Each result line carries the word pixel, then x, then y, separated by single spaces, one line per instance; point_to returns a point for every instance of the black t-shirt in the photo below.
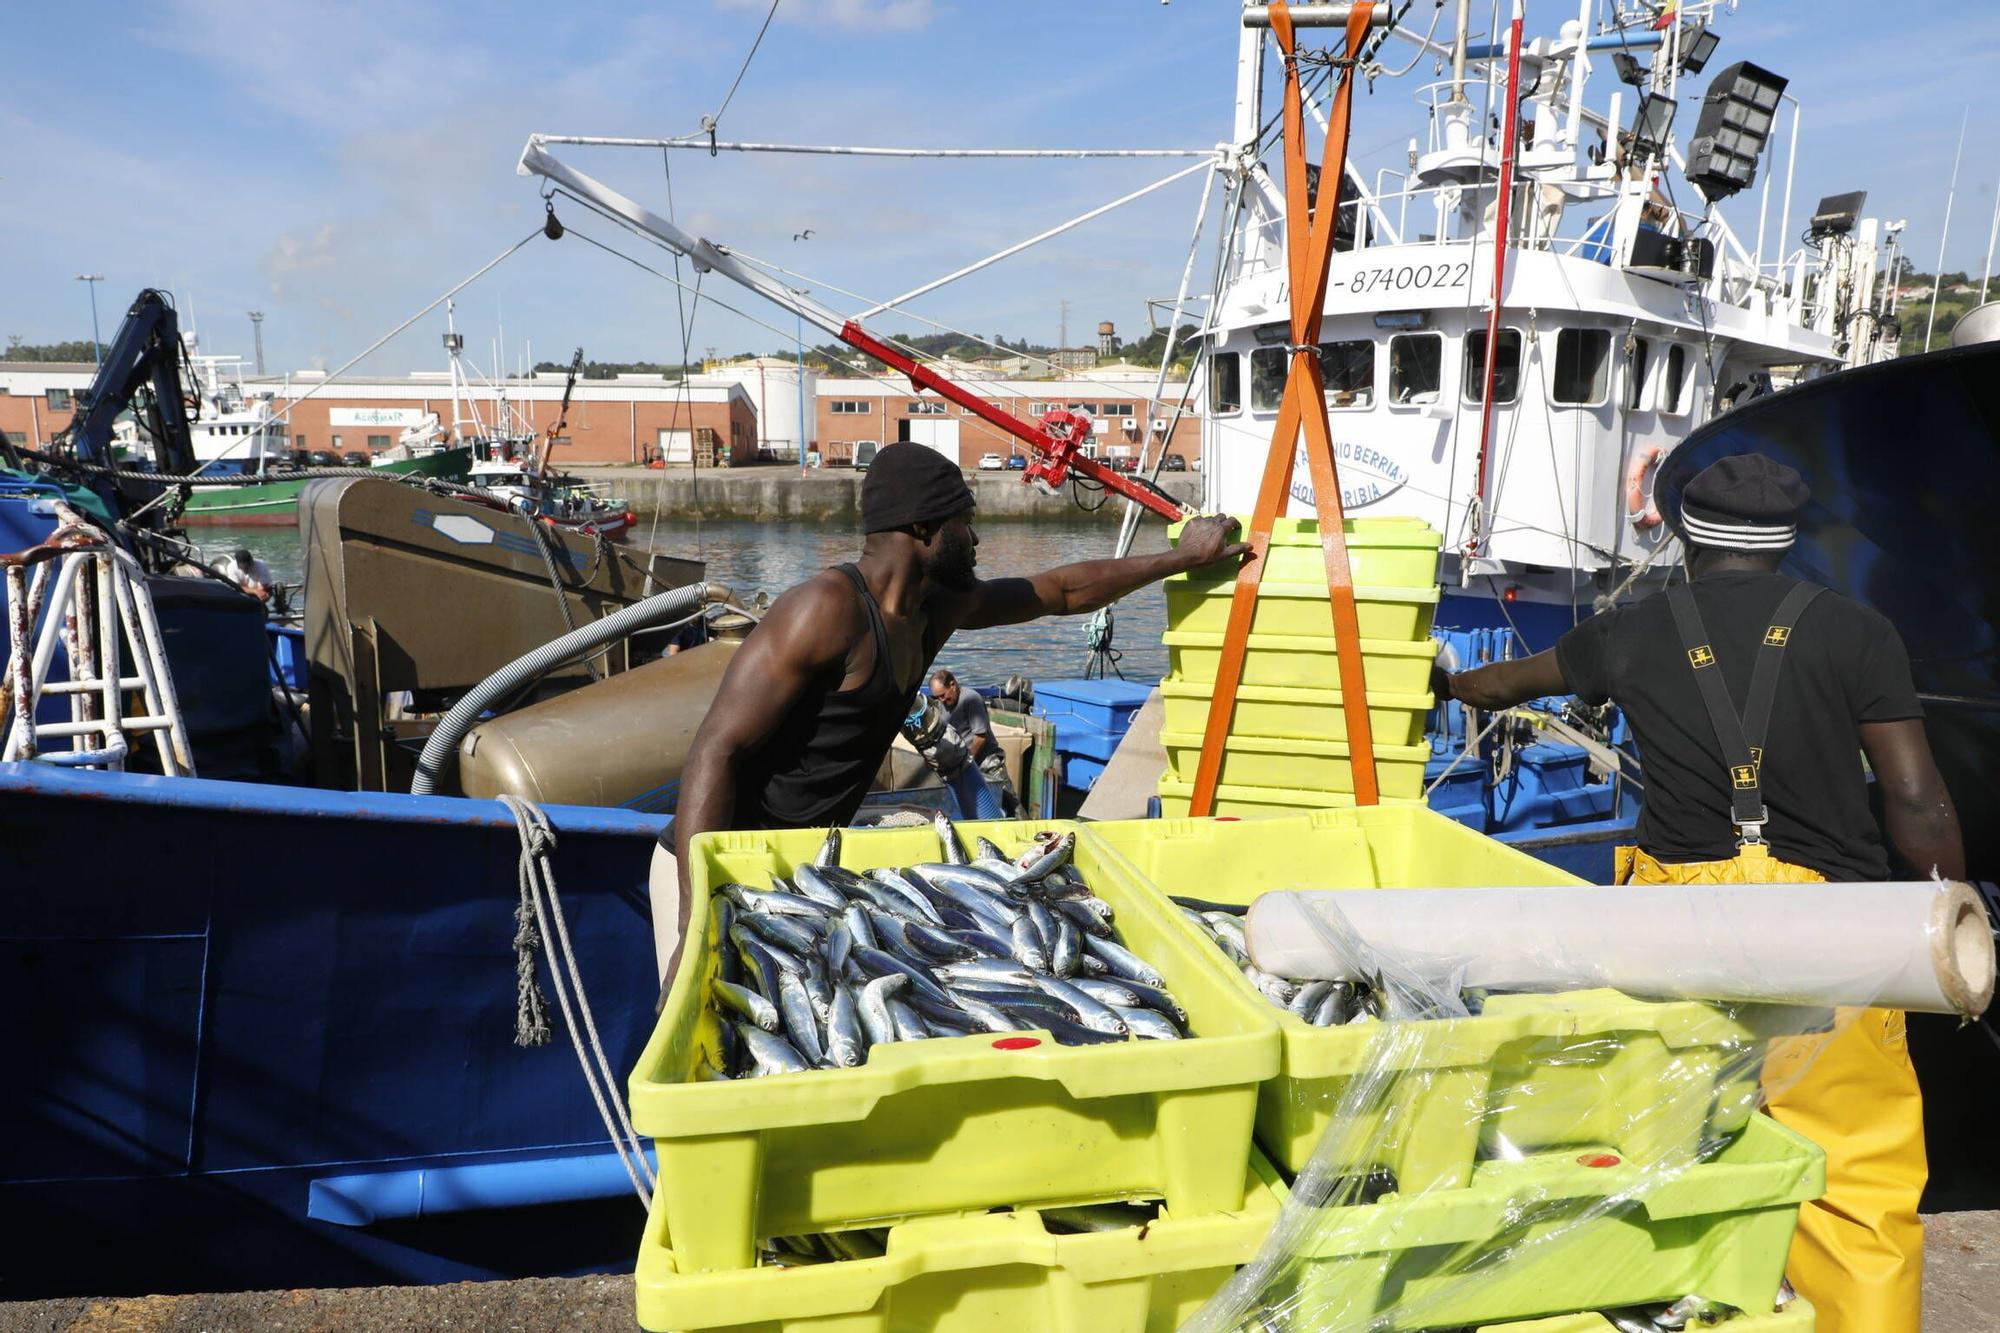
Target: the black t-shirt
pixel 1844 665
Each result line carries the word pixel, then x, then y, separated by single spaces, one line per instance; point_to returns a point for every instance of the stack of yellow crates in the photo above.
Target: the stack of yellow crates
pixel 1287 750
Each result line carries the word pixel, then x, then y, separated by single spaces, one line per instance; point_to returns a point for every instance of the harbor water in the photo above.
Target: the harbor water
pixel 771 557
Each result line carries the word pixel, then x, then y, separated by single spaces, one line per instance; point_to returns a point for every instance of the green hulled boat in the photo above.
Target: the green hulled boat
pixel 275 504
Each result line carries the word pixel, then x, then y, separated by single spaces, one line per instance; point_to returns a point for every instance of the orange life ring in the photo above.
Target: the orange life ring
pixel 1639 506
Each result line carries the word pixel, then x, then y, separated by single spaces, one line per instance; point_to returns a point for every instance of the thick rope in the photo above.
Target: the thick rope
pixel 537 878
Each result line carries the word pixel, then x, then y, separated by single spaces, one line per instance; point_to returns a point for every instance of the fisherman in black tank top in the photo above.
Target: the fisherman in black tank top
pixel 812 700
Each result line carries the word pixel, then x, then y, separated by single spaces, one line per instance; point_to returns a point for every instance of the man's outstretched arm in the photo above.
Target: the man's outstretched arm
pixel 1070 590
pixel 1502 684
pixel 801 639
pixel 1922 822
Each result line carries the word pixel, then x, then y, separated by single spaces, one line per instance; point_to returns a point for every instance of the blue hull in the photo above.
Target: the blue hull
pixel 234 1006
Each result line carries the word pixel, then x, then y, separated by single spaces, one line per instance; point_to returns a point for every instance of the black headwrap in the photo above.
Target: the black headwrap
pixel 911 483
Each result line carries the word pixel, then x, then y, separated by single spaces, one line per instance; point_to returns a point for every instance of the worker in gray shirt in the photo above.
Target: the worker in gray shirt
pixel 967 716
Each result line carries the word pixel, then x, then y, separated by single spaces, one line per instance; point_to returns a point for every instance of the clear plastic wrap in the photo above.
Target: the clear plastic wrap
pixel 1618 1160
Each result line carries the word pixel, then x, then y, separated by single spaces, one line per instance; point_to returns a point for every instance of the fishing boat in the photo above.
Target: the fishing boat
pixel 565 501
pixel 274 502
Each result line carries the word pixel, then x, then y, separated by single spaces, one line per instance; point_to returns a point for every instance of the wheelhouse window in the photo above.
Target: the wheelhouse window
pixel 1225 383
pixel 1349 371
pixel 1673 385
pixel 1506 366
pixel 1583 367
pixel 1416 368
pixel 1638 354
pixel 1267 378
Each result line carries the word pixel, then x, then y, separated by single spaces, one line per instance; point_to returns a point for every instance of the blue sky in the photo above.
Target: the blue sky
pixel 338 165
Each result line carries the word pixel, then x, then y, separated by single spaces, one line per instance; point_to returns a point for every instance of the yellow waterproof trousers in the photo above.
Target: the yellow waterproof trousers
pixel 1858 1255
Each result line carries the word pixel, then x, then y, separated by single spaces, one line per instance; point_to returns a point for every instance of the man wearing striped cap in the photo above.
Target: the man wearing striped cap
pixel 1753 697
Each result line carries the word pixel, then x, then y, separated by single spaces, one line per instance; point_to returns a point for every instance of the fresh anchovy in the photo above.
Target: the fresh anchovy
pixel 761 961
pixel 858 924
pixel 1336 1009
pixel 1067 951
pixel 1044 924
pixel 819 987
pixel 829 850
pixel 1077 914
pixel 1092 1013
pixel 936 946
pixel 914 902
pixel 801 1021
pixel 1155 998
pixel 984 969
pixel 874 1001
pixel 999 867
pixel 1310 996
pixel 839 941
pixel 728 962
pixel 787 932
pixel 987 1016
pixel 1276 989
pixel 846 1039
pixel 777 903
pixel 748 1003
pixel 1151 1023
pixel 769 1054
pixel 954 850
pixel 1021 1001
pixel 1028 946
pixel 1043 858
pixel 879 963
pixel 809 883
pixel 1122 961
pixel 1074 1034
pixel 1117 994
pixel 987 943
pixel 987 849
pixel 908 1026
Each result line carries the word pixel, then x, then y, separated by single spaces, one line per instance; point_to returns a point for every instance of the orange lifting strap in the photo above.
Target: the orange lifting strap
pixel 1309 226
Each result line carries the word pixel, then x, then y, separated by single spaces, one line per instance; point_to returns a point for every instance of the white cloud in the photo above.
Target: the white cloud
pixel 854 15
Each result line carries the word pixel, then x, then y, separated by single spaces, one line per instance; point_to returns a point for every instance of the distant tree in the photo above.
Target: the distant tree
pixel 81 350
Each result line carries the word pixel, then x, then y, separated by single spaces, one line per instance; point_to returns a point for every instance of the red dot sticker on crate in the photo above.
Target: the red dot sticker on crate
pixel 1600 1159
pixel 1016 1043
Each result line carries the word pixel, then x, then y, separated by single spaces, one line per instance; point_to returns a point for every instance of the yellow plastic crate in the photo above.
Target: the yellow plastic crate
pixel 1381 552
pixel 1279 712
pixel 972 1273
pixel 1530 1072
pixel 1798 1317
pixel 1390 666
pixel 1300 765
pixel 1251 802
pixel 1720 1227
pixel 1300 608
pixel 946 1124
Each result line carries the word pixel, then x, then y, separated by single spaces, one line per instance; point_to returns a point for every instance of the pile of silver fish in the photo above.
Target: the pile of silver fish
pixel 873 1242
pixel 814 971
pixel 1324 1004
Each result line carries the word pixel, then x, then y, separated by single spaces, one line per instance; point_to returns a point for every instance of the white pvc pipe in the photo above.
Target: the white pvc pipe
pixel 1923 946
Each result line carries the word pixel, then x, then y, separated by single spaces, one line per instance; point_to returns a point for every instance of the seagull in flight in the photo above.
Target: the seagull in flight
pixel 805 235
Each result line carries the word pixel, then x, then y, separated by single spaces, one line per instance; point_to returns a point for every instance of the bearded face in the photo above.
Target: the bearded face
pixel 954 561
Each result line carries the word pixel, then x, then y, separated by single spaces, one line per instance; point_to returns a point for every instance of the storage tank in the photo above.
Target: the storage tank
pixel 775 387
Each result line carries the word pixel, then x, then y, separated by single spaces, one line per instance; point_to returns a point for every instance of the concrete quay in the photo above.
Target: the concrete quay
pixel 769 493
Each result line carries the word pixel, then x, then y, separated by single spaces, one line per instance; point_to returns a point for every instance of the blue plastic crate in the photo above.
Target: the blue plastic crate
pixel 1081 773
pixel 1074 736
pixel 1107 705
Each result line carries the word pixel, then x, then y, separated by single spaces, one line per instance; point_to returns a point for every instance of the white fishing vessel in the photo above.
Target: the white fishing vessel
pixel 1580 174
pixel 234 430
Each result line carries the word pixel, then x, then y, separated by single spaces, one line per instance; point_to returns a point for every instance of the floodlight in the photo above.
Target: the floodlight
pixel 1697 50
pixel 1629 70
pixel 1737 113
pixel 1652 124
pixel 1837 214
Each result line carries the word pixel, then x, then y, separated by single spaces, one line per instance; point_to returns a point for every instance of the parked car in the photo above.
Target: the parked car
pixel 1017 463
pixel 1124 462
pixel 991 463
pixel 322 458
pixel 1175 463
pixel 864 454
pixel 354 458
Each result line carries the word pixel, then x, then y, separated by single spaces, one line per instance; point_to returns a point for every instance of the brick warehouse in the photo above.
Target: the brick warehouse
pixel 637 418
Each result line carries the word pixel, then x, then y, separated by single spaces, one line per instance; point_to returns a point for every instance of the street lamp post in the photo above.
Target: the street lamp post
pixel 799 342
pixel 96 344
